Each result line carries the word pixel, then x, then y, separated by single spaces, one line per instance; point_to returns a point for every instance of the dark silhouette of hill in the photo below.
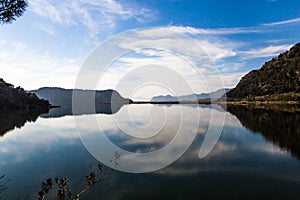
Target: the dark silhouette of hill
pixel 203 96
pixel 12 98
pixel 278 127
pixel 277 76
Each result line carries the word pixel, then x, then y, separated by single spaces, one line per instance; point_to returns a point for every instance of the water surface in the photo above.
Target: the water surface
pixel 256 156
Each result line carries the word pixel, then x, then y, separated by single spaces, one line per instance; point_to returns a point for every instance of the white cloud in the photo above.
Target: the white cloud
pixel 175 53
pixel 165 46
pixel 190 58
pixel 47 28
pixel 31 69
pixel 230 80
pixel 264 52
pixel 191 47
pixel 290 21
pixel 226 67
pixel 216 31
pixel 57 12
pixel 218 49
pixel 92 14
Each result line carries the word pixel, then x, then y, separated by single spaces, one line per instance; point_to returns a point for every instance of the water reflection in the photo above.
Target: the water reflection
pixel 279 127
pixel 16 119
pixel 67 110
pixel 240 163
pixel 3 182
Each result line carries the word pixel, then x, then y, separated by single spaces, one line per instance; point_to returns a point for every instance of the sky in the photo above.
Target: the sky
pixel 50 43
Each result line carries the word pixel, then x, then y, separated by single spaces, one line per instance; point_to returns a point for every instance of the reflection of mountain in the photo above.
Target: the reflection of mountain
pixel 217 107
pixel 67 110
pixel 114 108
pixel 16 119
pixel 192 97
pixel 281 128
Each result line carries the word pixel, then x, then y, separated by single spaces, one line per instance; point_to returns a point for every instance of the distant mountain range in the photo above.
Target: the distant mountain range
pixel 192 97
pixel 279 78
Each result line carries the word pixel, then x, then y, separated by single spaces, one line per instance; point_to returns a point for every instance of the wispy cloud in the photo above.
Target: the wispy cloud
pixel 181 60
pixel 218 48
pixel 290 21
pixel 269 51
pixel 216 31
pixel 22 65
pixel 92 14
pixel 191 47
pixel 47 28
pixel 56 11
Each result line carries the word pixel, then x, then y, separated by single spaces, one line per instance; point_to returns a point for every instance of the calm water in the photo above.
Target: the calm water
pixel 256 156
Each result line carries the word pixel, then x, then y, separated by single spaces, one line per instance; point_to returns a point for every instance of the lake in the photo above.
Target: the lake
pixel 256 155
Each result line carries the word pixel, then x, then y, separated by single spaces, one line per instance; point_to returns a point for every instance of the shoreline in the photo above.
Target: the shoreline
pixel 210 102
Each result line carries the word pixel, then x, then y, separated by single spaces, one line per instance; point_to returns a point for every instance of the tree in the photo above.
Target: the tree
pixel 11 9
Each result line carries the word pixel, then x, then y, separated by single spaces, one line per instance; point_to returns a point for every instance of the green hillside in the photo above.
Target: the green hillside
pixel 277 79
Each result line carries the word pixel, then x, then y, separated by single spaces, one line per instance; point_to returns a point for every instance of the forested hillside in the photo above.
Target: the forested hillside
pixel 281 75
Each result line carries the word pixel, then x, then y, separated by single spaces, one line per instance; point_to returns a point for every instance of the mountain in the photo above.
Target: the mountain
pixel 281 75
pixel 203 96
pixel 63 97
pixel 12 98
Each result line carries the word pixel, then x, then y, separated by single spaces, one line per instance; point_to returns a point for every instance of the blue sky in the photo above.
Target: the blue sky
pixel 49 43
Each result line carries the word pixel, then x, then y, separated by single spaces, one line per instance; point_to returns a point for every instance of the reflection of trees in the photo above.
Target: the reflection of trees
pixel 3 183
pixel 281 128
pixel 16 119
pixel 63 189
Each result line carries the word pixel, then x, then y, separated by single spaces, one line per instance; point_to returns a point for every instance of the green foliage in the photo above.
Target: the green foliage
pixel 11 9
pixel 280 75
